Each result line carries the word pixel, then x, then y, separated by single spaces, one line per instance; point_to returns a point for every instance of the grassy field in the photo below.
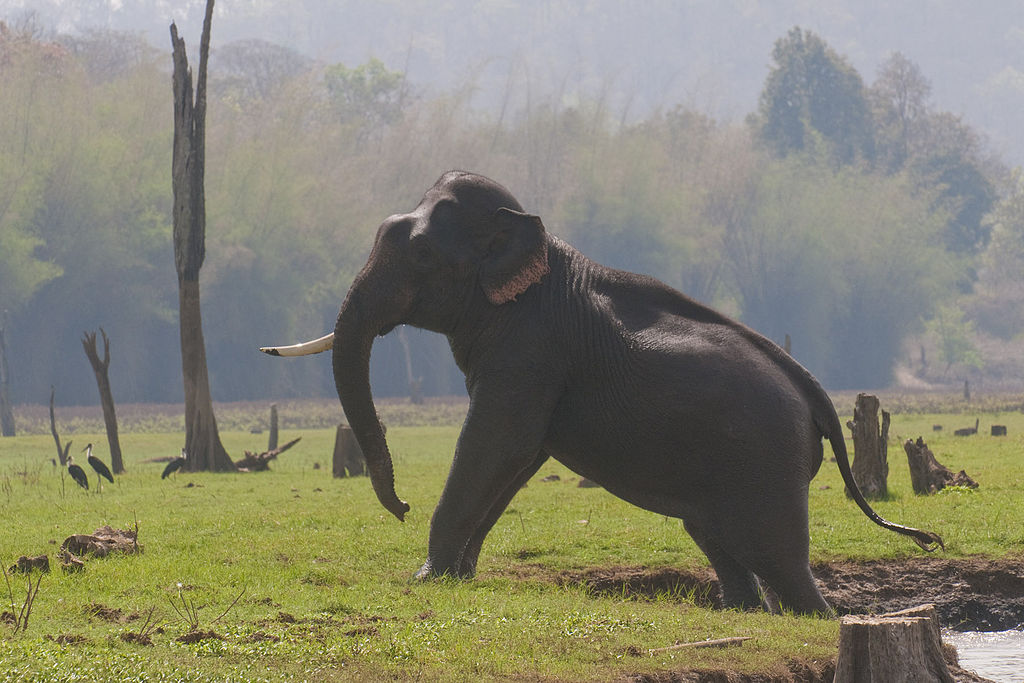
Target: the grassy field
pixel 323 572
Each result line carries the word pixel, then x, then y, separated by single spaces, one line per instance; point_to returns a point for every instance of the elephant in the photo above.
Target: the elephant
pixel 663 401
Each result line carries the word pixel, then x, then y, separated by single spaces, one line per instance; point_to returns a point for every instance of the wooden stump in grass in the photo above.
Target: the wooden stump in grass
pixel 348 456
pixel 899 646
pixel 928 475
pixel 870 447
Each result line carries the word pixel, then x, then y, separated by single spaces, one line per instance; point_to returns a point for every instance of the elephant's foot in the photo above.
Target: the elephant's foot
pixel 430 571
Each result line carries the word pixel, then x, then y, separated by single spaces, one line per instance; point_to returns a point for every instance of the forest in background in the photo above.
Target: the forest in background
pixel 876 230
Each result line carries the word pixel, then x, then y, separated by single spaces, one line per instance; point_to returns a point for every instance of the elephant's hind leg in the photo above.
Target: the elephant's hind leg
pixel 796 589
pixel 739 586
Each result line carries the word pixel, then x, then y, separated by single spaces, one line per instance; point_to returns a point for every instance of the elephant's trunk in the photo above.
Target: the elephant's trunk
pixel 354 333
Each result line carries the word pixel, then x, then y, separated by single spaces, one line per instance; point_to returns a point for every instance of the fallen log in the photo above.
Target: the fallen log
pixel 103 542
pixel 967 431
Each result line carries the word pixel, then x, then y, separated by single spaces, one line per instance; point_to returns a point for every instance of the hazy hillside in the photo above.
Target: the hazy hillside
pixel 754 156
pixel 709 55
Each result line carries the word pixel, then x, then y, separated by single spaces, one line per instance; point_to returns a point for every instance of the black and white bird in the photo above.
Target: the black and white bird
pixel 174 465
pixel 101 468
pixel 78 474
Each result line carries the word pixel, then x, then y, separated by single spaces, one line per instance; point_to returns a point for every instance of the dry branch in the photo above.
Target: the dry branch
pixel 260 462
pixel 719 642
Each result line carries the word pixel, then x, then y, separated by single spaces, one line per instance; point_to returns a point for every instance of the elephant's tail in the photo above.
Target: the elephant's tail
pixel 834 433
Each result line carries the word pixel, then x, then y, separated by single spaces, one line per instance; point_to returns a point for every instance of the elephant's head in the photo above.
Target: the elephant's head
pixel 467 247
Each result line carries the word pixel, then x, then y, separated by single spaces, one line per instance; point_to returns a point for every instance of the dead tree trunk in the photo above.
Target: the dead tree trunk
pixel 870 447
pixel 928 475
pixel 99 368
pixel 348 456
pixel 415 383
pixel 272 442
pixel 62 453
pixel 202 440
pixel 900 646
pixel 6 412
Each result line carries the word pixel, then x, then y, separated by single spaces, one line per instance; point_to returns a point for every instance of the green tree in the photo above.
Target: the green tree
pixel 955 338
pixel 844 262
pixel 997 305
pixel 30 70
pixel 811 90
pixel 940 149
pixel 899 103
pixel 368 96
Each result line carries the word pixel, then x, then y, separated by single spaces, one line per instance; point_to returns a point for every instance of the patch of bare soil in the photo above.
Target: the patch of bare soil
pixel 111 614
pixel 795 672
pixel 136 638
pixel 196 636
pixel 970 594
pixel 68 639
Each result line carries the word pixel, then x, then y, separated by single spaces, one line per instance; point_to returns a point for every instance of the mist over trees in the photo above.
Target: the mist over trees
pixel 848 212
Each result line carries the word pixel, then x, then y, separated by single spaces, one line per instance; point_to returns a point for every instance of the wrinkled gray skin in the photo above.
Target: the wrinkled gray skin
pixel 659 399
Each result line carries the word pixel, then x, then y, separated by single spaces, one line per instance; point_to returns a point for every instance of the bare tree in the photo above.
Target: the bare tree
pixel 62 451
pixel 202 441
pixel 99 368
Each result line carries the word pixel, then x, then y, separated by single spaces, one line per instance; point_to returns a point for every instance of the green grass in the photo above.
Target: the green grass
pixel 325 571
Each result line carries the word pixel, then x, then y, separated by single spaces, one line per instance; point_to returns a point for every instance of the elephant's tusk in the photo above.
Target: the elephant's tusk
pixel 304 349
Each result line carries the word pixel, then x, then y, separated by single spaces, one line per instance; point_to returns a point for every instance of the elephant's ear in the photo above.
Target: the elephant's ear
pixel 516 258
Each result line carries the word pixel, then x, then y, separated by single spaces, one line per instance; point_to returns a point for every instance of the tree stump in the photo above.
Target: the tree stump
pixel 348 456
pixel 928 475
pixel 870 447
pixel 899 646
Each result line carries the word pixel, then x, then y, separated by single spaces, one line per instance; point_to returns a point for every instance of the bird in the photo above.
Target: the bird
pixel 174 465
pixel 101 469
pixel 78 474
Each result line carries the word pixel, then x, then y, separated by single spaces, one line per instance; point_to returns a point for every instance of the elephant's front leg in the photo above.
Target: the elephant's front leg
pixel 498 450
pixel 467 567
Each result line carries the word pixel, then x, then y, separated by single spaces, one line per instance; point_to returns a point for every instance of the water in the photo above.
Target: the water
pixel 997 655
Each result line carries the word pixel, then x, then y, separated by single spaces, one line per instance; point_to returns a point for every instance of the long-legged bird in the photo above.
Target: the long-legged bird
pixel 101 468
pixel 78 474
pixel 174 465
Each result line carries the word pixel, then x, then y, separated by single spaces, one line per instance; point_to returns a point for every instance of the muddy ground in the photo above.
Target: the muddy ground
pixel 972 594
